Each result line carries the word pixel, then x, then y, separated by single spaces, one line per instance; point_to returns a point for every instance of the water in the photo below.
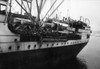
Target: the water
pixel 88 58
pixel 91 53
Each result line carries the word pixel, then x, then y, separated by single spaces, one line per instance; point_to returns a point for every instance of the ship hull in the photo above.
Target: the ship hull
pixel 42 55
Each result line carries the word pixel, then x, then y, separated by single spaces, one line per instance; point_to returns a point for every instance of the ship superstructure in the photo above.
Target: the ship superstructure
pixel 33 38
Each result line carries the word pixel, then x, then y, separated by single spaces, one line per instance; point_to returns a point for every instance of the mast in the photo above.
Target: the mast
pixel 31 6
pixel 38 13
pixel 56 8
pixel 49 9
pixel 39 9
pixel 10 5
pixel 44 3
pixel 24 8
pixel 21 8
pixel 7 12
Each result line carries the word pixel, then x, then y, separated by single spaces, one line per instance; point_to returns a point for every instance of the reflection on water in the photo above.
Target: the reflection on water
pixel 91 53
pixel 75 63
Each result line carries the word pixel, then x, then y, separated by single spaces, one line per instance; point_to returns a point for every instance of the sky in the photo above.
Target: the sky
pixel 75 8
pixel 88 9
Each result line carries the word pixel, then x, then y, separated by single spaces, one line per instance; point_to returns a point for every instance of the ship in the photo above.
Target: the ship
pixel 24 37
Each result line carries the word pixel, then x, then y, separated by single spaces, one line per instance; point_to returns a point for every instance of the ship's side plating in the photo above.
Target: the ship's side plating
pixel 22 40
pixel 11 49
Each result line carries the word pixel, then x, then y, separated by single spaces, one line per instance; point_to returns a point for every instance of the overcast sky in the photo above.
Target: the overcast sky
pixel 86 8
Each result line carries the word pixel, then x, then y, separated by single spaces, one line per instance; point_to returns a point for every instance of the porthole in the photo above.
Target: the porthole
pixel 40 45
pixel 9 48
pixel 57 43
pixel 71 43
pixel 52 44
pixel 15 40
pixel 47 44
pixel 62 43
pixel 29 46
pixel 18 47
pixel 34 46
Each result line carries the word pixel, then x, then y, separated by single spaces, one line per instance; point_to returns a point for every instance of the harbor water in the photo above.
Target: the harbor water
pixel 88 58
pixel 91 53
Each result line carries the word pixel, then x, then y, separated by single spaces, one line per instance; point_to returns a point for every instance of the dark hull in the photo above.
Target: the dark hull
pixel 42 55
